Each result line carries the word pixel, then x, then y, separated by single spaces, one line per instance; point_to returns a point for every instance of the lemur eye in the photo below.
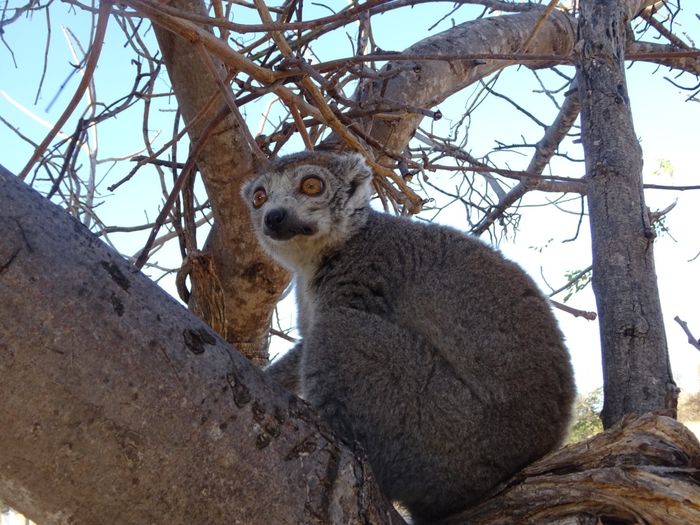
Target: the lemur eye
pixel 312 185
pixel 259 197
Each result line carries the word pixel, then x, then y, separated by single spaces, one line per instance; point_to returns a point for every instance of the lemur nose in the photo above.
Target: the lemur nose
pixel 274 218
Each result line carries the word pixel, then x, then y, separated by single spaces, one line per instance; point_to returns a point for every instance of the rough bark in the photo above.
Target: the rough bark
pixel 636 367
pixel 644 470
pixel 235 286
pixel 117 405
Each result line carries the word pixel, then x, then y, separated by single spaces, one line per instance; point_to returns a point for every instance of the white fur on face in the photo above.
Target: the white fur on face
pixel 333 215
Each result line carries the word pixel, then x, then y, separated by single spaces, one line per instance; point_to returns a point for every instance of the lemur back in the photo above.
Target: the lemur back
pixel 436 354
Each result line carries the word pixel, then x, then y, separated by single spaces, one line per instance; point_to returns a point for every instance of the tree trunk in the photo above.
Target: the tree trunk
pixel 119 406
pixel 235 285
pixel 636 369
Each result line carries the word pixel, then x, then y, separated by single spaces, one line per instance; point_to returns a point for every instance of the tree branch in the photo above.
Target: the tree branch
pixel 426 83
pixel 107 382
pixel 544 151
pixel 640 471
pixel 692 340
pixel 666 55
pixel 90 65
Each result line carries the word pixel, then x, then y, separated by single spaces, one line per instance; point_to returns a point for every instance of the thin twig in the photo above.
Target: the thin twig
pixel 648 15
pixel 591 316
pixel 177 187
pixel 283 335
pixel 301 128
pixel 46 55
pixel 669 187
pixel 102 20
pixel 196 34
pixel 414 202
pixel 152 157
pixel 574 278
pixel 692 340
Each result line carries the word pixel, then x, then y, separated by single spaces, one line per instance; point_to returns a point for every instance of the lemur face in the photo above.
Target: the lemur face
pixel 292 203
pixel 307 200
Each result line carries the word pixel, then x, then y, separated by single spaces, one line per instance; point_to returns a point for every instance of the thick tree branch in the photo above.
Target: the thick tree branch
pixel 237 285
pixel 666 55
pixel 427 83
pixel 641 471
pixel 119 406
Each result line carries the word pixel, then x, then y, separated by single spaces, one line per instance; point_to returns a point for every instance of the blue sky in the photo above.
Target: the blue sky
pixel 666 124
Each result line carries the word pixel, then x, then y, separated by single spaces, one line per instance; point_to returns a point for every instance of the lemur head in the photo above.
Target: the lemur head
pixel 304 204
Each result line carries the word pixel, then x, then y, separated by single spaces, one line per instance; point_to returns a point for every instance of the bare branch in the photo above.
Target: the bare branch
pixel 666 55
pixel 692 340
pixel 196 34
pixel 90 65
pixel 543 153
pixel 591 316
pixel 178 186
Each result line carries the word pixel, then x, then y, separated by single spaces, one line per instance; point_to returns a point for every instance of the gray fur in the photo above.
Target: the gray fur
pixel 436 354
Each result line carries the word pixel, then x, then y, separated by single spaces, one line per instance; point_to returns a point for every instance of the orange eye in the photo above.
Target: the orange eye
pixel 312 185
pixel 259 197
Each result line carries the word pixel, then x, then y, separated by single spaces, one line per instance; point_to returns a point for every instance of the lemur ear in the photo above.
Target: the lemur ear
pixel 353 164
pixel 359 176
pixel 353 168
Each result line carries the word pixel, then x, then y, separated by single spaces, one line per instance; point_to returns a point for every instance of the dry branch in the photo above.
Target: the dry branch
pixel 692 340
pixel 544 151
pixel 591 316
pixel 642 471
pixel 196 35
pixel 666 55
pixel 90 65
